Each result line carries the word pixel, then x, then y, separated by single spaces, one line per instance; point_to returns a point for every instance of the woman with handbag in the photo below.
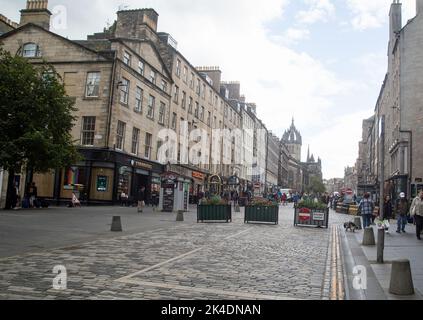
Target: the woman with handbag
pixel 416 211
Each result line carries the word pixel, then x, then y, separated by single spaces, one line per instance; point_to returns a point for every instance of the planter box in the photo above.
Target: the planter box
pixel 262 214
pixel 315 218
pixel 214 213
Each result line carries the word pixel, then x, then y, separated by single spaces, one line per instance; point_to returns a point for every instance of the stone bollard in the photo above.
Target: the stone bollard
pixel 401 278
pixel 357 222
pixel 369 237
pixel 180 216
pixel 116 225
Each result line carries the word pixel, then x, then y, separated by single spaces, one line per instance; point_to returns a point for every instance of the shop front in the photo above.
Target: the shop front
pixel 101 179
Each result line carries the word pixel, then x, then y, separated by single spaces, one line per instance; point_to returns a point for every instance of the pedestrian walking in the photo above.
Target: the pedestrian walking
pixel 141 199
pixel 416 211
pixel 32 194
pixel 388 211
pixel 366 207
pixel 401 210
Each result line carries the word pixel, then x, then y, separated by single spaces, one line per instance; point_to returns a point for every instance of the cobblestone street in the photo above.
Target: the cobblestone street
pixel 183 261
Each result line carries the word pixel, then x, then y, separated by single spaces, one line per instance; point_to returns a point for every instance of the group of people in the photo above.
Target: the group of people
pixel 401 208
pixel 30 197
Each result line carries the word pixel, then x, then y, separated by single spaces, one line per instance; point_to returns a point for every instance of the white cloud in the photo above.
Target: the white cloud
pixel 319 11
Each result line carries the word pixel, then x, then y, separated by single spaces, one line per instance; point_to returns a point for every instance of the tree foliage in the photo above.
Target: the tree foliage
pixel 316 186
pixel 35 117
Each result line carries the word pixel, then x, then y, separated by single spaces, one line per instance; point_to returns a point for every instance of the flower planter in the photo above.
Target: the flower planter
pixel 311 217
pixel 214 213
pixel 265 214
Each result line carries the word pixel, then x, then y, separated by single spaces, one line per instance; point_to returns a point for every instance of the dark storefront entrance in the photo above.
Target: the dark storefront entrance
pixel 102 177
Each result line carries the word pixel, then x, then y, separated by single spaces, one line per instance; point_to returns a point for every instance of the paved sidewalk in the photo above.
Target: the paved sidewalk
pixel 397 247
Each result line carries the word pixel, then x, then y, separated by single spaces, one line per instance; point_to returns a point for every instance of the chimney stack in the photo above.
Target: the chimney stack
pixel 137 24
pixel 36 12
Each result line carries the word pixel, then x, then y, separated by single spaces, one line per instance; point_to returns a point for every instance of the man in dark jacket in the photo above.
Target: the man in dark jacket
pixel 401 210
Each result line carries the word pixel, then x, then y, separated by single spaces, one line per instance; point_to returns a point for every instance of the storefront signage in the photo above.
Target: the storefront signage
pixel 198 175
pixel 101 183
pixel 168 186
pixel 143 165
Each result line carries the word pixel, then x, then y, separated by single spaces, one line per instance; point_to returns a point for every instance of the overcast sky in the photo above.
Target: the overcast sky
pixel 319 61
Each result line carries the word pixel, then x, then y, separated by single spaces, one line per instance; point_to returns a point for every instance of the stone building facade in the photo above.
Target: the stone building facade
pixel 400 104
pixel 129 83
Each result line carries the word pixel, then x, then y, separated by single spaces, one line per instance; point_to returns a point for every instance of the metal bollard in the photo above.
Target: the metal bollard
pixel 401 278
pixel 369 237
pixel 357 222
pixel 116 225
pixel 180 216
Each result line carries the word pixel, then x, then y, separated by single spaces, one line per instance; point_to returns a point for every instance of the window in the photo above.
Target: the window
pixel 197 109
pixel 209 119
pixel 164 86
pixel 93 84
pixel 120 135
pixel 124 91
pixel 148 140
pixel 215 101
pixel 151 106
pixel 211 97
pixel 176 94
pixel 203 93
pixel 178 68
pixel 190 105
pixel 202 114
pixel 153 77
pixel 159 145
pixel 138 99
pixel 185 75
pixel 31 50
pixel 198 88
pixel 135 141
pixel 191 81
pixel 162 111
pixel 174 121
pixel 127 58
pixel 141 68
pixel 88 131
pixel 184 100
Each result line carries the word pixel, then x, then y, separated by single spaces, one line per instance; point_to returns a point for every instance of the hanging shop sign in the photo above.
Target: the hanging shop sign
pixel 198 175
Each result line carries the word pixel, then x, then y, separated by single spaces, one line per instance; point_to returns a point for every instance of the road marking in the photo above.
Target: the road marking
pixel 176 258
pixel 337 274
pixel 244 295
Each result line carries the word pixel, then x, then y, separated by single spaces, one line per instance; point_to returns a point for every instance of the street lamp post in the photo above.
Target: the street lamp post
pixel 381 231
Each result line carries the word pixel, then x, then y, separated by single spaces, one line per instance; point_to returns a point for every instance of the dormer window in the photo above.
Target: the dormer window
pixel 31 50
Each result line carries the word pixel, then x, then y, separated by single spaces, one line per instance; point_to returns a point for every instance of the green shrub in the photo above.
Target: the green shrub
pixel 262 202
pixel 311 204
